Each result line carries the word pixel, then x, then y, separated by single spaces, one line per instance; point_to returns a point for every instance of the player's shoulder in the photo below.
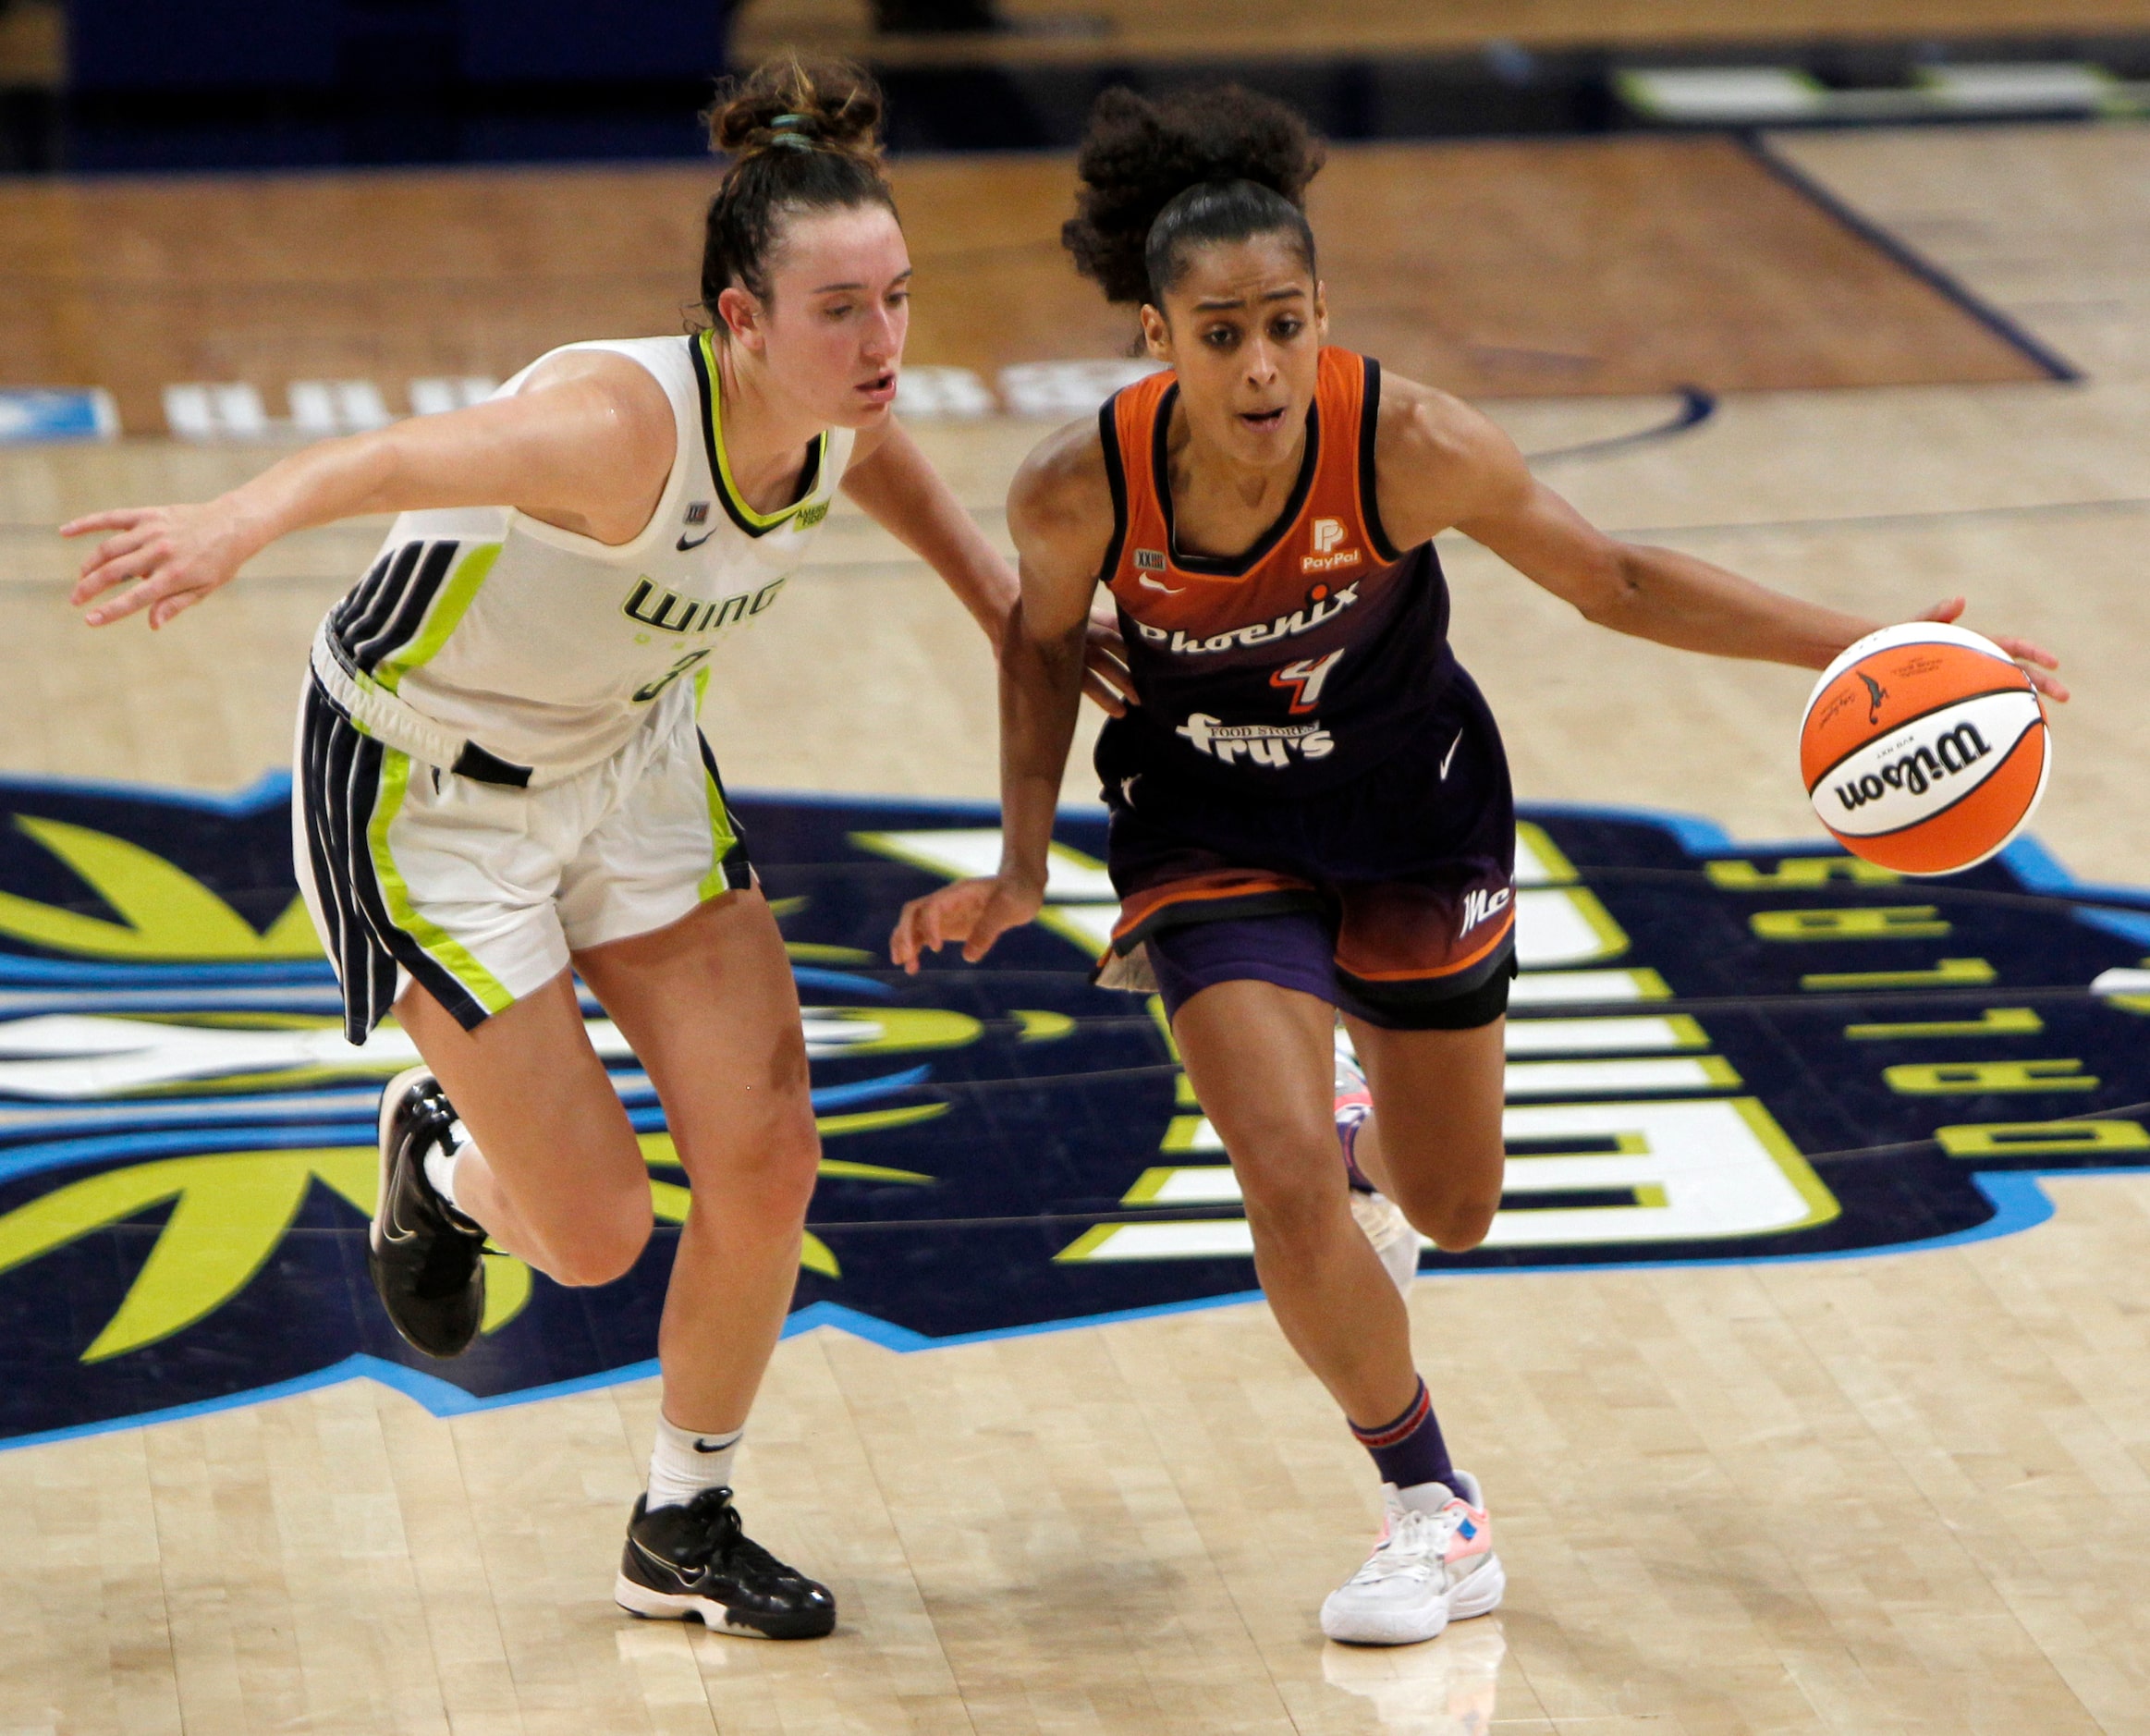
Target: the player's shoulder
pixel 1064 488
pixel 626 381
pixel 1420 424
pixel 1438 462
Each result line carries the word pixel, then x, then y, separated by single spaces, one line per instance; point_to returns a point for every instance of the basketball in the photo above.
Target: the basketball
pixel 1923 748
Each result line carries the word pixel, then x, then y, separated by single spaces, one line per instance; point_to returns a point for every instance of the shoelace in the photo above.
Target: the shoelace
pixel 437 1125
pixel 1415 1545
pixel 724 1538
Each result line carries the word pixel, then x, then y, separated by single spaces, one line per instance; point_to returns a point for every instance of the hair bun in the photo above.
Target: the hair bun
pixel 1138 154
pixel 793 103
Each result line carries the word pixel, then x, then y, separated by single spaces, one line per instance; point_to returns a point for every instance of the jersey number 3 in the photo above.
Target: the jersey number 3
pixel 1305 677
pixel 644 694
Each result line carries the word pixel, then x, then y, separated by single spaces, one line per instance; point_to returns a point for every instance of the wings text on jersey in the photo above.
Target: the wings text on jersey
pixel 669 612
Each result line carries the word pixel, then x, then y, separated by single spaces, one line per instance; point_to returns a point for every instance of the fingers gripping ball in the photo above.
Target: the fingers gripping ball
pixel 1924 748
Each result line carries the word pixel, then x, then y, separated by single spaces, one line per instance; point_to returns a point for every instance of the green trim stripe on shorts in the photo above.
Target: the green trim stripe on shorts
pixel 729 870
pixel 441 947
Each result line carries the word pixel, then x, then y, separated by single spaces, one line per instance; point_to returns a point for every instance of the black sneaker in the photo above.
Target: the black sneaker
pixel 697 1560
pixel 427 1259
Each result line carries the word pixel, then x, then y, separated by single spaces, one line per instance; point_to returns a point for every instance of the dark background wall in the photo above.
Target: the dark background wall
pixel 139 45
pixel 210 83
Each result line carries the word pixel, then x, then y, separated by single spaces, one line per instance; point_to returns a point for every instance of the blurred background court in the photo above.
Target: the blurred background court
pixel 1850 298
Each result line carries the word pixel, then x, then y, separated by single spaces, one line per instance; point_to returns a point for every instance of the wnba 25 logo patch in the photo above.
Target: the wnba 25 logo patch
pixel 1715 1054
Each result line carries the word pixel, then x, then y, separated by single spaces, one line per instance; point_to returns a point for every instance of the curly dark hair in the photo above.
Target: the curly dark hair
pixel 1160 179
pixel 801 136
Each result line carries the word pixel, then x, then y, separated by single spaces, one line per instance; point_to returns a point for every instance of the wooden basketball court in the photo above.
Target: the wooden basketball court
pixel 1889 1491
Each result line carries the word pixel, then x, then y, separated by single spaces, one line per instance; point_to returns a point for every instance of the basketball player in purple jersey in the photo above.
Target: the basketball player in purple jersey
pixel 1310 810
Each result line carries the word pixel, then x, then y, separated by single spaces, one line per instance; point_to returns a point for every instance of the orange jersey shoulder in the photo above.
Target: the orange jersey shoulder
pixel 1328 535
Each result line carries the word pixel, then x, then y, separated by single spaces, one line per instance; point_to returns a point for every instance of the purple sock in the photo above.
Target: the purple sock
pixel 1408 1450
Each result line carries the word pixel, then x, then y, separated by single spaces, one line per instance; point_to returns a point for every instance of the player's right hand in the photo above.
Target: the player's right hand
pixel 170 557
pixel 976 912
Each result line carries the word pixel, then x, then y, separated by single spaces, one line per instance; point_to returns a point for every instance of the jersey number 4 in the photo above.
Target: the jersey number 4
pixel 1305 679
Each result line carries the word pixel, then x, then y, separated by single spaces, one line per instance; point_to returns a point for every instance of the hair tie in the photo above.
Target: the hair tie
pixel 780 132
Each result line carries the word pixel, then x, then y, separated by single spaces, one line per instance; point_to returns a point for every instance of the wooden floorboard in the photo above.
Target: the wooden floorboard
pixel 1494 269
pixel 1899 1493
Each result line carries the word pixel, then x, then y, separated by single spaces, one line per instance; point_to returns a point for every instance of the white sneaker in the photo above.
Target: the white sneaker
pixel 1429 1569
pixel 1383 1221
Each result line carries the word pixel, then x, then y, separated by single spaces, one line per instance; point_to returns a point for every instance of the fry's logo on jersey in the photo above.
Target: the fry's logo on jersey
pixel 1322 606
pixel 1479 904
pixel 1264 745
pixel 1326 556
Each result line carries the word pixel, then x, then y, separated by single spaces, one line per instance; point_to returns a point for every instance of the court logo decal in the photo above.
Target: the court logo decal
pixel 1717 1054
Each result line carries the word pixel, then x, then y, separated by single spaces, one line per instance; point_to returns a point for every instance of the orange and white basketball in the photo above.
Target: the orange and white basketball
pixel 1924 748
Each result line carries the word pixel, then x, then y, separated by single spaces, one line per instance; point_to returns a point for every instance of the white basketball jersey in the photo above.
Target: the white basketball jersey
pixel 546 648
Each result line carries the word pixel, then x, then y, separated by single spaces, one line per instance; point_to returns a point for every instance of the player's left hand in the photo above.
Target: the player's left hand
pixel 168 557
pixel 975 911
pixel 1105 663
pixel 2035 659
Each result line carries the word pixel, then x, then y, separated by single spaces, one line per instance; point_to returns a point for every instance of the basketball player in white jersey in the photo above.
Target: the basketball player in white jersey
pixel 500 777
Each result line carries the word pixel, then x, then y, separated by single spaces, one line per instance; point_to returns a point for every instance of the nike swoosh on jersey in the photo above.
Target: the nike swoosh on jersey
pixel 1451 754
pixel 1149 583
pixel 683 545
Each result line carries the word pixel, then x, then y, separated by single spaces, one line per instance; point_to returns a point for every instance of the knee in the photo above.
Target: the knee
pixel 1292 1199
pixel 781 1177
pixel 1456 1220
pixel 765 1173
pixel 602 1243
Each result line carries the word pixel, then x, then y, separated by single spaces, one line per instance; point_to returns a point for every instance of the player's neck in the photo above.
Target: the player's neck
pixel 1220 501
pixel 765 431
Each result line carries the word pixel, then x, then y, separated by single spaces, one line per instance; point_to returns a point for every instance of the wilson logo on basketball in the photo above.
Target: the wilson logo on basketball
pixel 1919 768
pixel 1923 748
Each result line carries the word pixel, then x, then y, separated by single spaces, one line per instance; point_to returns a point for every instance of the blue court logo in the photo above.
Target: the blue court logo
pixel 1717 1053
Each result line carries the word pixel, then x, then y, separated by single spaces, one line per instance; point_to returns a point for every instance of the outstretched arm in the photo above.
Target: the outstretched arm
pixel 586 445
pixel 1061 516
pixel 1443 464
pixel 902 491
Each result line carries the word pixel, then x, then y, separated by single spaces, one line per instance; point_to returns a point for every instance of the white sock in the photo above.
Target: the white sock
pixel 683 1463
pixel 440 1165
pixel 440 1169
